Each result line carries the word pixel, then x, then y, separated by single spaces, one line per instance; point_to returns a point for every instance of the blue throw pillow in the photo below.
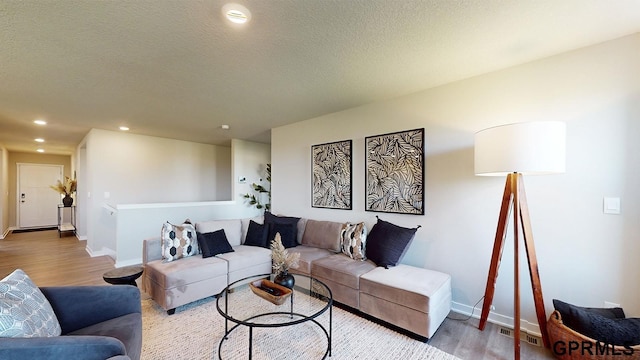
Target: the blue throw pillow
pixel 387 243
pixel 214 243
pixel 257 234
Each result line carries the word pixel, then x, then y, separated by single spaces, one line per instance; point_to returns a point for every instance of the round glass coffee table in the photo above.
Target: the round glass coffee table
pixel 241 307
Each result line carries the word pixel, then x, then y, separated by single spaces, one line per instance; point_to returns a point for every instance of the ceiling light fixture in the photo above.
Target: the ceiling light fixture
pixel 40 122
pixel 40 140
pixel 124 128
pixel 236 13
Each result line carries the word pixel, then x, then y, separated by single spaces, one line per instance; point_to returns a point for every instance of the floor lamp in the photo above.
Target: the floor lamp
pixel 531 148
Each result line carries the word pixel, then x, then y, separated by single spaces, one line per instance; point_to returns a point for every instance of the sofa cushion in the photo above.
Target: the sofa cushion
pixel 232 229
pixel 184 271
pixel 410 286
pixel 214 243
pixel 126 328
pixel 257 234
pixel 322 234
pixel 245 256
pixel 24 310
pixel 387 243
pixel 341 269
pixel 307 256
pixel 354 237
pixel 178 241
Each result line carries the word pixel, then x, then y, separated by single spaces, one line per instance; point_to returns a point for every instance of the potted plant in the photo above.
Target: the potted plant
pixel 282 262
pixel 257 199
pixel 66 188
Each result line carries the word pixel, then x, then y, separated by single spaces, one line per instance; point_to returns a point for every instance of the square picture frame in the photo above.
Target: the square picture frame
pixel 394 172
pixel 331 175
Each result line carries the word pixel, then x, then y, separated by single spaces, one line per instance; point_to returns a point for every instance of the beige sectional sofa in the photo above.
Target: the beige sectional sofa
pixel 412 298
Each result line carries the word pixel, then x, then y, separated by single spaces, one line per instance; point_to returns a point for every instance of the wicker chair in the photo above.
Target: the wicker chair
pixel 567 344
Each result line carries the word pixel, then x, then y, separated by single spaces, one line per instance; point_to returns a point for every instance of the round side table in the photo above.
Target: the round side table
pixel 123 276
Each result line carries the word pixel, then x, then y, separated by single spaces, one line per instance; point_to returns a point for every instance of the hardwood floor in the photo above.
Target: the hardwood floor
pixel 464 340
pixel 53 261
pixel 50 260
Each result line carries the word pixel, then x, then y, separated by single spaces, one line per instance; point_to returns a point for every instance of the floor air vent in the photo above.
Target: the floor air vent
pixel 533 340
pixel 505 331
pixel 530 339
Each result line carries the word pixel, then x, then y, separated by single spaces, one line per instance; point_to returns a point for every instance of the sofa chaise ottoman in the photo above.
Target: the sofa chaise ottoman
pixel 412 298
pixel 409 297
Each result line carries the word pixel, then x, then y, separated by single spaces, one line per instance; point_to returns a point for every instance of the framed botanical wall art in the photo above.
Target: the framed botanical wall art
pixel 395 172
pixel 331 175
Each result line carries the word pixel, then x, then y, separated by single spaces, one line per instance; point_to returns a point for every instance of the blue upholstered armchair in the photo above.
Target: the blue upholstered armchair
pixel 110 314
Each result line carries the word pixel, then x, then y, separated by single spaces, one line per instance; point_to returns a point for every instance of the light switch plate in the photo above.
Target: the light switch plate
pixel 611 205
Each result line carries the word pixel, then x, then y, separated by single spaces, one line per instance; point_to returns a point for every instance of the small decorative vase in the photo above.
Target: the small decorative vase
pixel 67 200
pixel 285 279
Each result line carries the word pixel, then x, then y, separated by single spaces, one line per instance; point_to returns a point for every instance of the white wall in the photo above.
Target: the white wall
pixel 130 224
pixel 124 168
pixel 131 184
pixel 4 192
pixel 585 256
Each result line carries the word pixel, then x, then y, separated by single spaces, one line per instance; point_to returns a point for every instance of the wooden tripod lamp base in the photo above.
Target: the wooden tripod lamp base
pixel 514 199
pixel 535 148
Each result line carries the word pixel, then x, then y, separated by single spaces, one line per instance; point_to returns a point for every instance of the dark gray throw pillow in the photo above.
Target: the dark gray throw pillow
pixel 602 325
pixel 257 234
pixel 387 243
pixel 271 219
pixel 287 234
pixel 214 243
pixel 565 310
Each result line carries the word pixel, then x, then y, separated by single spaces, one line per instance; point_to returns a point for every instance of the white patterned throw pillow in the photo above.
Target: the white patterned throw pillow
pixel 24 310
pixel 354 238
pixel 178 241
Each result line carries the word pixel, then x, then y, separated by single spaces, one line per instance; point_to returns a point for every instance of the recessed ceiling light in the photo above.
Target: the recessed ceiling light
pixel 40 122
pixel 40 150
pixel 225 127
pixel 236 13
pixel 124 128
pixel 40 140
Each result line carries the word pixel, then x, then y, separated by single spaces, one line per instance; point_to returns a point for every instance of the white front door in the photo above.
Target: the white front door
pixel 37 202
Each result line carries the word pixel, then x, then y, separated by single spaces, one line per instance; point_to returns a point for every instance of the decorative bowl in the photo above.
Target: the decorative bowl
pixel 272 292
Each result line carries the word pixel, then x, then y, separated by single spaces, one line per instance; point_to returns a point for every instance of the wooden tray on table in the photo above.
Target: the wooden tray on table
pixel 270 291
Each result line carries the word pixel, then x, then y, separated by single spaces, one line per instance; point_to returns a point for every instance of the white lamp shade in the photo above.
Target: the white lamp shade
pixel 530 148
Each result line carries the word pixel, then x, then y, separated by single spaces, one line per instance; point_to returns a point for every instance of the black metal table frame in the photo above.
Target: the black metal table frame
pixel 291 313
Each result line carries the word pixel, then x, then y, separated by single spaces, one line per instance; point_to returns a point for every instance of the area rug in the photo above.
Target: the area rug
pixel 195 330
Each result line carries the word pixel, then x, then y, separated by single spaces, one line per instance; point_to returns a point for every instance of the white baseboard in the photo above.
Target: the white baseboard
pixel 120 264
pixel 6 232
pixel 495 318
pixel 102 252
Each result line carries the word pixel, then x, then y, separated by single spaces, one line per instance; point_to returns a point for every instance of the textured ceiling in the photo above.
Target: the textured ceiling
pixel 177 69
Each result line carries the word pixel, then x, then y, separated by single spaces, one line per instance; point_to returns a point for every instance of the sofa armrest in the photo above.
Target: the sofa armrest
pixel 151 250
pixel 77 307
pixel 62 347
